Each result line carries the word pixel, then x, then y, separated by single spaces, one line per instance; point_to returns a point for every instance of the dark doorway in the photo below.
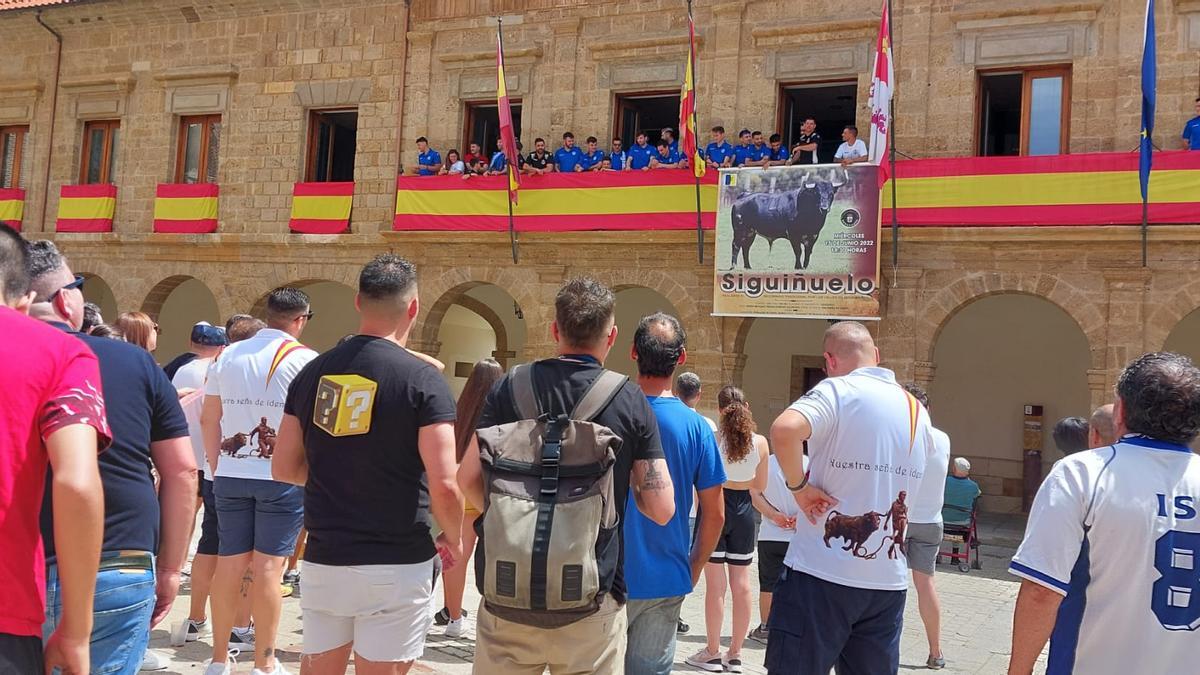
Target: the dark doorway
pixel 332 143
pixel 1000 114
pixel 483 126
pixel 833 105
pixel 650 113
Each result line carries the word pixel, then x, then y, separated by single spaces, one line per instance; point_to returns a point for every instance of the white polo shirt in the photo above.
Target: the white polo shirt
pixel 1116 531
pixel 869 446
pixel 193 375
pixel 851 151
pixel 927 503
pixel 252 379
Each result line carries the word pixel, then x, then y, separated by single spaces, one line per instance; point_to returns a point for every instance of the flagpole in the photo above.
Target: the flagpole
pixel 512 229
pixel 692 58
pixel 892 151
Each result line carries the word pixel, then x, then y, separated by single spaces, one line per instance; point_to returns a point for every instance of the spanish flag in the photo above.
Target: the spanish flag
pixel 687 105
pixel 186 209
pixel 321 208
pixel 12 207
pixel 86 208
pixel 508 139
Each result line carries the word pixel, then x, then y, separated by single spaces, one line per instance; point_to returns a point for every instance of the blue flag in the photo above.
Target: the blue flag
pixel 1149 77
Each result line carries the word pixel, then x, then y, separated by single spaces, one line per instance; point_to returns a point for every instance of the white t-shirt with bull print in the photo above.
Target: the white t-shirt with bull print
pixel 869 446
pixel 252 379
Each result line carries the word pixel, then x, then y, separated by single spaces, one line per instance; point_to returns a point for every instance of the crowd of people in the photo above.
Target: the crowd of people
pixel 590 504
pixel 754 149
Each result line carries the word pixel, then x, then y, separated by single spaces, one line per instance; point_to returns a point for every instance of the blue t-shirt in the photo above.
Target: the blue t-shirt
pixel 1191 133
pixel 779 155
pixel 960 492
pixel 498 163
pixel 618 160
pixel 428 157
pixel 567 159
pixel 716 153
pixel 639 156
pixel 745 153
pixel 592 160
pixel 143 407
pixel 657 556
pixel 675 145
pixel 672 156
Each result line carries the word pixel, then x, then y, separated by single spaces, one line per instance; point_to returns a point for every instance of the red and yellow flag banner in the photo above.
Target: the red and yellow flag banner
pixel 12 207
pixel 186 209
pixel 557 202
pixel 1087 189
pixel 86 208
pixel 322 208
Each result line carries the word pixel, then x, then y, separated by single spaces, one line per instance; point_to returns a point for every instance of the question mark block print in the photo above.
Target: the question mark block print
pixel 344 405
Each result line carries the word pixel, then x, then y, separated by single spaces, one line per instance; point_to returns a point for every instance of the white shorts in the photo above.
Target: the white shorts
pixel 385 610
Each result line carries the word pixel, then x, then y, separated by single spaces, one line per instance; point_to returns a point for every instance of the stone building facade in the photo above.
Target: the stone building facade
pixel 989 319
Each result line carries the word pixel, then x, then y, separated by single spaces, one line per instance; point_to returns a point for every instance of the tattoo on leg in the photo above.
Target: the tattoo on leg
pixel 247 580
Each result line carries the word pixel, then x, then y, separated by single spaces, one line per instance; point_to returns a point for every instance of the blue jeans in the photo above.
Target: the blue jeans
pixel 121 617
pixel 651 645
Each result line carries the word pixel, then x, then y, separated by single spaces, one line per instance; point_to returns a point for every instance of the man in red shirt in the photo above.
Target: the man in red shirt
pixel 51 410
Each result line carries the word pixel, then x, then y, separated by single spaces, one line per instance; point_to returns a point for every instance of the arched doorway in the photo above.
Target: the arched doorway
pixel 994 356
pixel 177 303
pixel 633 303
pixel 1185 337
pixel 473 321
pixel 783 360
pixel 97 290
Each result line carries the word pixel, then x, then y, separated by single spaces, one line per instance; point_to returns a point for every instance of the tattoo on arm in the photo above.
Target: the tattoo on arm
pixel 653 480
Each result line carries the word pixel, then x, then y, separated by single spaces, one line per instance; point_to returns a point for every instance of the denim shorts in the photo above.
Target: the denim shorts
pixel 259 515
pixel 208 526
pixel 121 612
pixel 652 630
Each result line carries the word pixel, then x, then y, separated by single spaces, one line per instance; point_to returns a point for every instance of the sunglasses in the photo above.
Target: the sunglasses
pixel 78 283
pixel 310 315
pixel 158 329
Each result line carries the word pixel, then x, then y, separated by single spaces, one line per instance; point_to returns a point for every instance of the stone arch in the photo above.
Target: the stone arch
pixel 703 330
pixel 503 353
pixel 333 318
pixel 97 290
pixel 940 308
pixel 1184 337
pixel 451 288
pixel 772 384
pixel 159 293
pixel 176 303
pixel 1167 316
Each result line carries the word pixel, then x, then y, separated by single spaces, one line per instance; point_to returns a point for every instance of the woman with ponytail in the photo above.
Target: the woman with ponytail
pixel 744 453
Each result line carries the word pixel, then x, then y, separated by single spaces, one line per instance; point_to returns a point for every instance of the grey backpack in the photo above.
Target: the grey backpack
pixel 549 521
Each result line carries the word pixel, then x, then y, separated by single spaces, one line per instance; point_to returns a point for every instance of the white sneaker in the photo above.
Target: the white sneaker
pixel 456 628
pixel 196 629
pixel 153 660
pixel 220 668
pixel 242 639
pixel 279 670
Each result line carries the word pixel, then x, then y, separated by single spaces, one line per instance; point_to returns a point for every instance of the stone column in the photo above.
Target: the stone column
pixel 539 343
pixel 923 373
pixel 416 93
pixel 733 366
pixel 1099 388
pixel 897 334
pixel 722 76
pixel 1125 336
pixel 565 54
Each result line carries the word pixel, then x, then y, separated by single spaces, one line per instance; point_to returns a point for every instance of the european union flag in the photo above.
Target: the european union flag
pixel 1149 76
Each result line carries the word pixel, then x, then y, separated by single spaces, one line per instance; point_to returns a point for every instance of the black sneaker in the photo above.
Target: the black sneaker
pixel 442 618
pixel 682 628
pixel 242 640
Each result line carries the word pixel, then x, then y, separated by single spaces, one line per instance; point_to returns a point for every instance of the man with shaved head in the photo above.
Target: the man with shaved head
pixel 1101 431
pixel 839 602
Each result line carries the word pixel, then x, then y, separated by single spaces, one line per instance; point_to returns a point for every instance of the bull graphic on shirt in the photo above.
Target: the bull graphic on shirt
pixel 266 438
pixel 858 530
pixel 230 446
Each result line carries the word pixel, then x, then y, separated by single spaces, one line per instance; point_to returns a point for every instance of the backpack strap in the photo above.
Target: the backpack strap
pixel 524 396
pixel 599 394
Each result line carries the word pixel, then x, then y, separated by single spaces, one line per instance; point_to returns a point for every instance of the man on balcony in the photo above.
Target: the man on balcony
pixel 777 155
pixel 618 159
pixel 568 158
pixel 593 158
pixel 852 150
pixel 539 162
pixel 641 154
pixel 668 135
pixel 805 149
pixel 1191 131
pixel 742 152
pixel 429 162
pixel 666 158
pixel 719 153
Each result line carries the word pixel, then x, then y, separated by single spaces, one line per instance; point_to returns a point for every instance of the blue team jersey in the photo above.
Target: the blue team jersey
pixel 639 156
pixel 1191 133
pixel 672 156
pixel 716 153
pixel 566 160
pixel 498 163
pixel 656 556
pixel 675 145
pixel 430 156
pixel 618 160
pixel 592 160
pixel 743 154
pixel 779 155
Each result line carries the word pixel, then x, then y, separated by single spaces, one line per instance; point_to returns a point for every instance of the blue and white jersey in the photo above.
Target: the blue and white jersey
pixel 618 161
pixel 1116 531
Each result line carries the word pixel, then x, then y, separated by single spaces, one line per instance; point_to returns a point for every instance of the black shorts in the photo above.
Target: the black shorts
pixel 21 654
pixel 208 526
pixel 770 564
pixel 735 546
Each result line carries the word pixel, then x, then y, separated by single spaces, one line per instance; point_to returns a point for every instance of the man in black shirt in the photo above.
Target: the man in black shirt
pixel 368 430
pixel 804 150
pixel 584 330
pixel 539 161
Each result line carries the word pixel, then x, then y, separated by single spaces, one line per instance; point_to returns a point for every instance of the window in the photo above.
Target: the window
pixel 1024 112
pixel 332 141
pixel 648 112
pixel 100 145
pixel 832 105
pixel 199 149
pixel 13 158
pixel 483 126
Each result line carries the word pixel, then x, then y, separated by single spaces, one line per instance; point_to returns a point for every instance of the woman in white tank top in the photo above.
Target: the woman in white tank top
pixel 744 454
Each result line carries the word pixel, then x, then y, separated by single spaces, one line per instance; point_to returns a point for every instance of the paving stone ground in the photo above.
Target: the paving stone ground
pixel 976 623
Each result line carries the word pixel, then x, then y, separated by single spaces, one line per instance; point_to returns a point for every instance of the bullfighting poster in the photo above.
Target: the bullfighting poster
pixel 799 242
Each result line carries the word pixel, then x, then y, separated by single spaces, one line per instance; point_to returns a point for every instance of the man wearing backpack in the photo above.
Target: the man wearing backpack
pixel 561 442
pixel 663 565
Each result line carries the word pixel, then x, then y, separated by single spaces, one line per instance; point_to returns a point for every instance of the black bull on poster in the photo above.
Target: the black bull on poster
pixel 798 241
